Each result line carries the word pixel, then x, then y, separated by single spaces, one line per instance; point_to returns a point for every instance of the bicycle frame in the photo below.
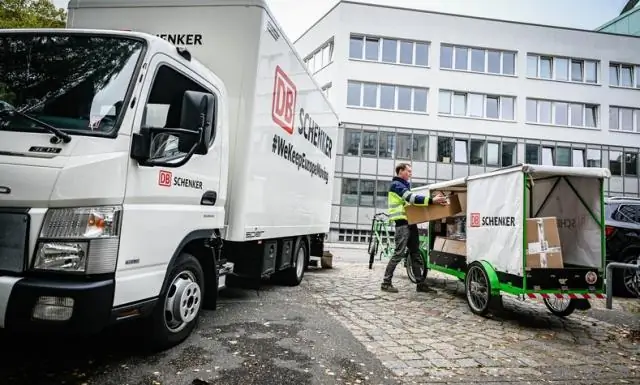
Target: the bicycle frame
pixel 380 237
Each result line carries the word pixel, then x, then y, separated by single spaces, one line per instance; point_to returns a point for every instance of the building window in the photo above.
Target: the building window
pixel 461 152
pixel 356 47
pixel 382 190
pixel 349 192
pixel 352 142
pixel 615 162
pixel 387 96
pixel 594 158
pixel 477 105
pixel 476 152
pixel 624 119
pixel 532 154
pixel 577 157
pixel 354 93
pixel 420 145
pixel 493 154
pixel 563 156
pixel 562 68
pixel 446 56
pixel 403 146
pixel 562 113
pixel 389 50
pixel 369 143
pixel 631 163
pixel 387 144
pixel 476 59
pixel 367 192
pixel 624 75
pixel 320 58
pixel 509 154
pixel 444 150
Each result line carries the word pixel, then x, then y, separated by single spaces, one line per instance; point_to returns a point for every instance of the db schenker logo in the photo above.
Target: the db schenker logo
pixel 284 100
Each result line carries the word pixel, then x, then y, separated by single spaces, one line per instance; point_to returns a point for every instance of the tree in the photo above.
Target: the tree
pixel 31 14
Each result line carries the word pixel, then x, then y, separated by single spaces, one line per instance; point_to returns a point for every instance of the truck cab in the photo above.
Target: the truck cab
pixel 78 188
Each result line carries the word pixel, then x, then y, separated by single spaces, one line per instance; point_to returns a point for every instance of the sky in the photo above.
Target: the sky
pixel 296 16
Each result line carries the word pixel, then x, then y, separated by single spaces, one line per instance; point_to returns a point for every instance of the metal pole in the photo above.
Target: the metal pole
pixel 610 268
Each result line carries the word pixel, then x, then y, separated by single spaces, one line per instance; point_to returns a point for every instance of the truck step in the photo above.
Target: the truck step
pixel 225 269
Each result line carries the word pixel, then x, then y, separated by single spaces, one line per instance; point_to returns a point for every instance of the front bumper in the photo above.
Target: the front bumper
pixel 90 312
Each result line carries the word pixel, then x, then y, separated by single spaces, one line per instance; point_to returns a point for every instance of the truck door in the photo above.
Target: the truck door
pixel 164 206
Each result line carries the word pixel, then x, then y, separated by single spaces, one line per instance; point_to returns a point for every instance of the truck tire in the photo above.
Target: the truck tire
pixel 172 322
pixel 293 275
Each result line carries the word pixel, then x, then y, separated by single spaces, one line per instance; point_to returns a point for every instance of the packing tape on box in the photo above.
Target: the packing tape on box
pixel 542 246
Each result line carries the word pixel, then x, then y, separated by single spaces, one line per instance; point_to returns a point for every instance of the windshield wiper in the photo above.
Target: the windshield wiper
pixel 66 138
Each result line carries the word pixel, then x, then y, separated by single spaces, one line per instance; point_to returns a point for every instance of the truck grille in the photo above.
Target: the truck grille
pixel 14 230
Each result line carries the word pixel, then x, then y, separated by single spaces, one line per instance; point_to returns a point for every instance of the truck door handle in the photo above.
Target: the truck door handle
pixel 209 198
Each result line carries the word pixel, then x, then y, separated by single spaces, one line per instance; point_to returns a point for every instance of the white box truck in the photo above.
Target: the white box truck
pixel 143 161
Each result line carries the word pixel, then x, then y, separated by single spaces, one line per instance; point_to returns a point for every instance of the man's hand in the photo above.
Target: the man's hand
pixel 440 199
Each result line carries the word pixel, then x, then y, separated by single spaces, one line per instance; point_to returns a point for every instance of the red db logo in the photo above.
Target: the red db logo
pixel 475 219
pixel 284 100
pixel 164 179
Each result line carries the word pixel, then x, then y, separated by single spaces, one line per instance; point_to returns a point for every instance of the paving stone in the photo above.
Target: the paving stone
pixel 425 338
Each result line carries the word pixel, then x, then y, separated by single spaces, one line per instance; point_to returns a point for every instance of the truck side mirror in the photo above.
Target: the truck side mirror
pixel 198 114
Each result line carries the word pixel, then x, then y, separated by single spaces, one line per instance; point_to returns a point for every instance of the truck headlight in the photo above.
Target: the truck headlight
pixel 79 240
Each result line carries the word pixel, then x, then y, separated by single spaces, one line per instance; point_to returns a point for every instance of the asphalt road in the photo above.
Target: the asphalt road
pixel 277 336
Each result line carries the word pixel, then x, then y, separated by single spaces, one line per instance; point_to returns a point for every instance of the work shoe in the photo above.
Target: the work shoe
pixel 424 288
pixel 388 288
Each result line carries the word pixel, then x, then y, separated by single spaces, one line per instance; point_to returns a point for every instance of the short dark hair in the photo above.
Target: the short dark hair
pixel 402 167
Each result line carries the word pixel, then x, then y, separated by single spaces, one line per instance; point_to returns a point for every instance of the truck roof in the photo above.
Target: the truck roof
pixel 164 3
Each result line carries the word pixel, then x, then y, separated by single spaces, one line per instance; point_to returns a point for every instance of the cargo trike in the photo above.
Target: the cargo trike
pixel 532 231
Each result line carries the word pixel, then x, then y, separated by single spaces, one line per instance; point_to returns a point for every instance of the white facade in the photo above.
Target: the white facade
pixel 472 95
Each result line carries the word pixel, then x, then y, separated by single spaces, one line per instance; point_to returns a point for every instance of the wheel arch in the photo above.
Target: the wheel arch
pixel 198 243
pixel 493 276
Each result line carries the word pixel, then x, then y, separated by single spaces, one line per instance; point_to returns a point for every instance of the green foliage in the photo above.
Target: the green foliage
pixel 31 14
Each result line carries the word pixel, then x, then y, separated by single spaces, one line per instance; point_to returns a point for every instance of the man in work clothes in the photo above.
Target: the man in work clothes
pixel 406 235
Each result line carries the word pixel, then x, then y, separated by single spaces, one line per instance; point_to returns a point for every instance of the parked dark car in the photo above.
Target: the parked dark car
pixel 622 219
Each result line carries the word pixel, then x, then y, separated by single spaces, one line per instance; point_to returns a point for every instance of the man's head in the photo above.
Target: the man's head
pixel 403 170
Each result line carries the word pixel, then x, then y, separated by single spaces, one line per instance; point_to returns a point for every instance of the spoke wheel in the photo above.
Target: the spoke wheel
pixel 561 307
pixel 409 268
pixel 478 289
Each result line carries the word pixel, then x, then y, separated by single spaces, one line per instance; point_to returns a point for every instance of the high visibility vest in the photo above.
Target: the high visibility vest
pixel 396 205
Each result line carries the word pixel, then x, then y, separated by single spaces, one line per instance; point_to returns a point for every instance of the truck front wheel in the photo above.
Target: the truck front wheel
pixel 179 305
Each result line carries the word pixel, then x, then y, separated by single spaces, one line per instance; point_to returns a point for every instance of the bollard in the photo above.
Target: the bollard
pixel 609 277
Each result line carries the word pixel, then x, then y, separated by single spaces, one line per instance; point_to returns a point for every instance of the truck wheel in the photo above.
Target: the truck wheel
pixel 478 289
pixel 293 275
pixel 179 304
pixel 561 307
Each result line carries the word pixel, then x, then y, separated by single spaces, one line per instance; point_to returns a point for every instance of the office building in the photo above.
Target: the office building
pixel 457 95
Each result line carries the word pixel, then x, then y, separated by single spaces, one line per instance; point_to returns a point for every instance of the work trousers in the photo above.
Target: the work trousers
pixel 406 237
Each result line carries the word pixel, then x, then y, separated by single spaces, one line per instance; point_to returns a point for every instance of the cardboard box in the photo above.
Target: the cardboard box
pixel 451 246
pixel 543 244
pixel 420 214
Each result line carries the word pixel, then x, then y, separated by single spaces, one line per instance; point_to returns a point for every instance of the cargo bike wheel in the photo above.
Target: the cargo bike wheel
pixel 408 264
pixel 561 307
pixel 478 289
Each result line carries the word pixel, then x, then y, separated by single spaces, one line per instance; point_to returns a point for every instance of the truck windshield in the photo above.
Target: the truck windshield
pixel 76 83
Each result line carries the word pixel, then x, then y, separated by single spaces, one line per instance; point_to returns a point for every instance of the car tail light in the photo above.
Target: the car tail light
pixel 608 230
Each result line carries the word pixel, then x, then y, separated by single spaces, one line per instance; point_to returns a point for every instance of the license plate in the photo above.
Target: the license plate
pixel 13 241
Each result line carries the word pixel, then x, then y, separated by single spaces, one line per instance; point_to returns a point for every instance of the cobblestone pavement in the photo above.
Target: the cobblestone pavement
pixel 434 338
